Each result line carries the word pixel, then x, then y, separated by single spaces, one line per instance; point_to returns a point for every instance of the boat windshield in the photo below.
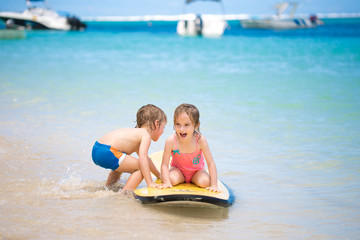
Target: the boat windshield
pixel 30 4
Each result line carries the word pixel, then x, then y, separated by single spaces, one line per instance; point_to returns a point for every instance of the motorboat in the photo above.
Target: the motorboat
pixel 206 25
pixel 35 17
pixel 282 22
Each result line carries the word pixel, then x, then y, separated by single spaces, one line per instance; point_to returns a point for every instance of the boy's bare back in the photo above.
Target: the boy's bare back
pixel 125 139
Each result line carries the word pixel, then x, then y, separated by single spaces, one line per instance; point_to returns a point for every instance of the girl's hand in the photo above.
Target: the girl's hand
pixel 213 189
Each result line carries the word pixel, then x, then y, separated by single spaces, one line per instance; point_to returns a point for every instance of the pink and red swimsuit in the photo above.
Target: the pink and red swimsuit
pixel 188 163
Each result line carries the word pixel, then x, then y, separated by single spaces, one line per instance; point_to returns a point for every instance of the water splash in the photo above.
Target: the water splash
pixel 75 186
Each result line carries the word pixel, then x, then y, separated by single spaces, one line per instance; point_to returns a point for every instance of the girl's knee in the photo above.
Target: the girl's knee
pixel 176 177
pixel 203 182
pixel 202 179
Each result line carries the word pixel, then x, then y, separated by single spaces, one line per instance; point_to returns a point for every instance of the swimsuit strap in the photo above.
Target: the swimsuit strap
pixel 174 151
pixel 197 140
pixel 175 141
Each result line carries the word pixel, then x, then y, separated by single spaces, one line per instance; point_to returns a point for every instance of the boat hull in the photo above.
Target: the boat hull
pixel 202 25
pixel 280 24
pixel 13 23
pixel 40 18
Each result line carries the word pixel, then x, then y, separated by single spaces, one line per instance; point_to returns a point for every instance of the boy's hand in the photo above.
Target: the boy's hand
pixel 164 186
pixel 153 185
pixel 213 189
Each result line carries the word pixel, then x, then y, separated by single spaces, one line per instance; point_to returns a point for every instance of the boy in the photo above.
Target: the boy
pixel 112 151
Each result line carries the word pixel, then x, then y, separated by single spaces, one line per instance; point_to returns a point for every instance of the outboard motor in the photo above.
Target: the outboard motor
pixel 313 19
pixel 75 23
pixel 198 25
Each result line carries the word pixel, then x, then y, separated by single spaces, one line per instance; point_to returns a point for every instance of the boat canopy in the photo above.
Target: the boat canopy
pixel 219 1
pixel 281 7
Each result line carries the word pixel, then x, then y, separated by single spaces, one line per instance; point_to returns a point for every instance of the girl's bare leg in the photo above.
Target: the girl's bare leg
pixel 176 176
pixel 201 178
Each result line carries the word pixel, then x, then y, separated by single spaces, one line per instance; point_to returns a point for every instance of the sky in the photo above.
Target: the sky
pixel 95 8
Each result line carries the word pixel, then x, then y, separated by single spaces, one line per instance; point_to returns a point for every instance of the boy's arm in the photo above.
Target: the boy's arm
pixel 153 169
pixel 144 162
pixel 165 174
pixel 211 165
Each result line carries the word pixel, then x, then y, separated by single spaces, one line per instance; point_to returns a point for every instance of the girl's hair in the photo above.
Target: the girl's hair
pixel 192 112
pixel 148 114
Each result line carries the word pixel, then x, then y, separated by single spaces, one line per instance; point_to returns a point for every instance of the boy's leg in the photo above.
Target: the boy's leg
pixel 113 177
pixel 133 181
pixel 201 178
pixel 129 165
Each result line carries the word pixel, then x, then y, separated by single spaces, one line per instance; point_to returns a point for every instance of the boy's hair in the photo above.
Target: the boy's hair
pixel 191 111
pixel 148 114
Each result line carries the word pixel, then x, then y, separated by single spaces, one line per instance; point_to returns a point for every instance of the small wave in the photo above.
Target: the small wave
pixel 75 187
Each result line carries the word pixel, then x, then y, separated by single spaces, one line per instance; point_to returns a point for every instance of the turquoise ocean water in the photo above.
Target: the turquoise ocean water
pixel 280 110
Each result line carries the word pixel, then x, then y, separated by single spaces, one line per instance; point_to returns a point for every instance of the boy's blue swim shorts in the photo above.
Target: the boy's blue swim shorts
pixel 106 156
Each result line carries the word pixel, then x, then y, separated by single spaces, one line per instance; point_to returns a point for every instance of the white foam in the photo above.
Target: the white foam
pixel 73 187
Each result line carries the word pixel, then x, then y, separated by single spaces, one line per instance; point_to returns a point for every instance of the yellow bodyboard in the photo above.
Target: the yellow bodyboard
pixel 184 193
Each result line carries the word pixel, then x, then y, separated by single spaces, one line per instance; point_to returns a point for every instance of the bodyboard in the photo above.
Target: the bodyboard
pixel 184 193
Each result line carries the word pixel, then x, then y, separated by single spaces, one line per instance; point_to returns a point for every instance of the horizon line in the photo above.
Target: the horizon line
pixel 228 17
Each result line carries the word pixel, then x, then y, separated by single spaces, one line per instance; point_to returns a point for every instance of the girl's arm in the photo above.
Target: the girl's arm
pixel 165 174
pixel 211 165
pixel 143 160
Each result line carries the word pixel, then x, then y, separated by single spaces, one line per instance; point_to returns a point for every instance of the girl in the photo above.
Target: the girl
pixel 188 148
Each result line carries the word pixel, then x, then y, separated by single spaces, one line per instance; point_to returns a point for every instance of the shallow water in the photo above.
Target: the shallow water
pixel 280 110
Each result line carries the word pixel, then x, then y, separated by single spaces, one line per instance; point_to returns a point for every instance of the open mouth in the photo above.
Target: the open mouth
pixel 183 135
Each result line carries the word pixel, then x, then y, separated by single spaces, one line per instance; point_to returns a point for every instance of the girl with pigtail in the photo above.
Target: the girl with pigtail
pixel 188 148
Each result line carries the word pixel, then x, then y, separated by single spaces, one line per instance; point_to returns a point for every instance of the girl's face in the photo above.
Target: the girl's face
pixel 184 127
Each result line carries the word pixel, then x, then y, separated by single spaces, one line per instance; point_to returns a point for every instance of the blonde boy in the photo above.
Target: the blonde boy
pixel 112 151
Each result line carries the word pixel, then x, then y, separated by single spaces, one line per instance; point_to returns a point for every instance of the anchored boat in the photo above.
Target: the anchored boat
pixel 202 24
pixel 282 22
pixel 35 17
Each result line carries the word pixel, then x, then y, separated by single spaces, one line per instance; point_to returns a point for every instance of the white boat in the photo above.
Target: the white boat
pixel 281 22
pixel 202 24
pixel 35 17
